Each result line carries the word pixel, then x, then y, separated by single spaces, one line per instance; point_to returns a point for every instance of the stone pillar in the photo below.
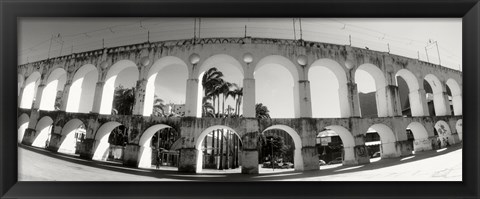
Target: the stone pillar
pixel 388 101
pixel 404 148
pixel 248 98
pixel 249 158
pixel 457 104
pixel 65 94
pixel 140 89
pixel 55 142
pixel 86 148
pixel 349 101
pixel 361 154
pixel 38 97
pixel 29 136
pixel 310 158
pixel 188 160
pixel 130 155
pixel 97 100
pixel 418 103
pixel 424 144
pixel 191 100
pixel 441 103
pixel 304 98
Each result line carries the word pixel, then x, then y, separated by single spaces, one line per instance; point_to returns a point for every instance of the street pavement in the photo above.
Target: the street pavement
pixel 36 164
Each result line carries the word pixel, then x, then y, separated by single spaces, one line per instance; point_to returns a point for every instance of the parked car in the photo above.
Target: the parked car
pixel 376 154
pixel 336 161
pixel 322 162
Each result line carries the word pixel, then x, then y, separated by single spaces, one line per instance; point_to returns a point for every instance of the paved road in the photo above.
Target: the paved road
pixel 441 165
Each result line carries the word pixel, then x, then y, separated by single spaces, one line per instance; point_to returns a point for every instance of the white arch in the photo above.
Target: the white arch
pixel 145 152
pixel 219 59
pixel 459 128
pixel 341 76
pixel 23 121
pixel 30 90
pixel 81 95
pixel 101 140
pixel 215 61
pixel 420 134
pixel 109 87
pixel 43 130
pixel 384 109
pixel 55 81
pixel 68 141
pixel 347 140
pixel 444 133
pixel 387 139
pixel 438 96
pixel 152 76
pixel 298 158
pixel 456 96
pixel 201 137
pixel 21 79
pixel 291 67
pixel 414 97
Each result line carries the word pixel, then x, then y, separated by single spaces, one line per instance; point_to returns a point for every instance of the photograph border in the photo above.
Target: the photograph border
pixel 12 10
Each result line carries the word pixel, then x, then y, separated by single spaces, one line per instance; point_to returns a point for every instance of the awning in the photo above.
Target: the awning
pixel 372 143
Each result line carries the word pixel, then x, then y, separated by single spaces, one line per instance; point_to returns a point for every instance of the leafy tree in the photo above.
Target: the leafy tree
pixel 280 149
pixel 158 107
pixel 261 111
pixel 124 100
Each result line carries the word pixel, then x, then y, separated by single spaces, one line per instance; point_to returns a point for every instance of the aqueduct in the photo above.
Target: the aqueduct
pixel 89 77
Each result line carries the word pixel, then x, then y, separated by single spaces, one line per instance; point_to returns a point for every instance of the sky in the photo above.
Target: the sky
pixel 40 38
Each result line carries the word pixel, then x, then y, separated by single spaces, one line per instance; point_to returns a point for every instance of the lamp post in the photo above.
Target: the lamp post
pixel 271 145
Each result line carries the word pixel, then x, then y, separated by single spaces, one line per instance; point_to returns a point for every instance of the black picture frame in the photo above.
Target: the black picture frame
pixel 11 10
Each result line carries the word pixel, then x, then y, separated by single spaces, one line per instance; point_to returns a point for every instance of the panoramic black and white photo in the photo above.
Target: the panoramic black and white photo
pixel 239 99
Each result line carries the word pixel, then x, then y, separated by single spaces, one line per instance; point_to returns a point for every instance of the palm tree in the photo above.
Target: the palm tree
pixel 224 89
pixel 210 81
pixel 261 111
pixel 124 99
pixel 158 107
pixel 237 94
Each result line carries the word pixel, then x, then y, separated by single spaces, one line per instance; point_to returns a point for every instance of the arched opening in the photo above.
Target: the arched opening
pixel 297 144
pixel 109 141
pixel 434 90
pixel 459 128
pixel 118 91
pixel 214 97
pixel 408 87
pixel 329 89
pixel 444 136
pixel 30 90
pixel 277 150
pixel 419 136
pixel 380 138
pixel 166 87
pixel 277 86
pixel 23 121
pixel 82 90
pixel 218 147
pixel 455 96
pixel 73 132
pixel 159 146
pixel 21 79
pixel 52 93
pixel 335 144
pixel 372 91
pixel 43 132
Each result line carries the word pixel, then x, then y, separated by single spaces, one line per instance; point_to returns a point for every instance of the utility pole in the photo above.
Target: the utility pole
pixel 426 52
pixel 49 47
pixel 300 22
pixel 245 31
pixel 294 33
pixel 194 29
pixel 199 26
pixel 438 52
